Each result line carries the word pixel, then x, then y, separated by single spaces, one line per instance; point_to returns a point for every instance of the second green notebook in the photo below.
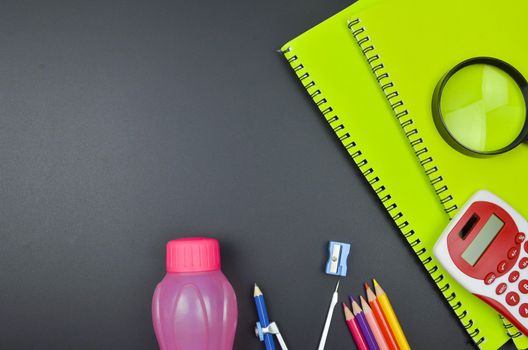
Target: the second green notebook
pixel 410 46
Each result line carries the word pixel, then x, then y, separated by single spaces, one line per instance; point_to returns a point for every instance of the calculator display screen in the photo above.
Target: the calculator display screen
pixel 483 240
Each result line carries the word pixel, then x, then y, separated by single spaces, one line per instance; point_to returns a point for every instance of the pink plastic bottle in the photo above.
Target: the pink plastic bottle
pixel 194 306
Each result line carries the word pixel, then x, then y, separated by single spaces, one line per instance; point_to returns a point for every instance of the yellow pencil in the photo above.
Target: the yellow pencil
pixel 388 311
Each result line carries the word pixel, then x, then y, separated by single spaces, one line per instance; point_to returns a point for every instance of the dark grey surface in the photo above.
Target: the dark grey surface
pixel 126 123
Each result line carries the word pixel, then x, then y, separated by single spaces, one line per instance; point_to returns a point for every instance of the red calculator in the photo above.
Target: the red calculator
pixel 484 248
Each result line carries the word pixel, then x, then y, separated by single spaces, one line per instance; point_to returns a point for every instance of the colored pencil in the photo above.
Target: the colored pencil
pixel 363 325
pixel 380 318
pixel 354 329
pixel 388 311
pixel 376 331
pixel 263 317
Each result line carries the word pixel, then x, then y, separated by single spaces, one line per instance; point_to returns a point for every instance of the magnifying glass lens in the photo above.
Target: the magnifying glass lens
pixel 483 108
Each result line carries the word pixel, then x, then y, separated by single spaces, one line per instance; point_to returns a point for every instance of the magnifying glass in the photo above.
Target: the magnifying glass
pixel 480 107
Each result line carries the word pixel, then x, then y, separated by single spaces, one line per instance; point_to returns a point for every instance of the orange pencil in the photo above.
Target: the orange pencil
pixel 388 311
pixel 374 327
pixel 380 318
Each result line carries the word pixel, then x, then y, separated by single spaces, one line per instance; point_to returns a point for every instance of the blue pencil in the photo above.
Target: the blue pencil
pixel 263 317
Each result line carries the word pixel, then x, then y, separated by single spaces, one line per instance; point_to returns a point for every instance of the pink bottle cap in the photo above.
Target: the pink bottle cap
pixel 194 254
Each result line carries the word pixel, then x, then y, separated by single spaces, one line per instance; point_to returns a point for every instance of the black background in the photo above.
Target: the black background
pixel 128 123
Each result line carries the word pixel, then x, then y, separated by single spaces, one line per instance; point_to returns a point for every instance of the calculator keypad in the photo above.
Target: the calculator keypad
pixel 514 276
pixel 523 310
pixel 512 298
pixel 490 278
pixel 517 288
pixel 513 253
pixel 502 266
pixel 523 263
pixel 501 288
pixel 523 286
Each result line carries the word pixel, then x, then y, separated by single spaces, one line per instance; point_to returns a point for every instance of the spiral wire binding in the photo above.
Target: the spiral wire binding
pixel 402 114
pixel 426 160
pixel 509 326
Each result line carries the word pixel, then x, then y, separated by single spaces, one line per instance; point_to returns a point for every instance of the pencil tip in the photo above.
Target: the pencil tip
pixel 377 287
pixel 337 286
pixel 256 291
pixel 356 309
pixel 367 287
pixel 370 294
pixel 364 305
pixel 348 314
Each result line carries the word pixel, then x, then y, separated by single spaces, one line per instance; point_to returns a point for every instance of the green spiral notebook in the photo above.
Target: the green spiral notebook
pixel 410 45
pixel 332 68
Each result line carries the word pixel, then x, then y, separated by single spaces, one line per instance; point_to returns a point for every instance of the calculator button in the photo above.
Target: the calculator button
pixel 523 263
pixel 490 277
pixel 513 252
pixel 519 238
pixel 501 288
pixel 514 276
pixel 502 266
pixel 523 286
pixel 523 310
pixel 512 298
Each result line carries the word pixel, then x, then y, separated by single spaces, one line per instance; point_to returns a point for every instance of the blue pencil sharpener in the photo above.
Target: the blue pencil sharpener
pixel 337 262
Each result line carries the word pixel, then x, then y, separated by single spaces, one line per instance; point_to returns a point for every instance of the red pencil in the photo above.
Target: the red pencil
pixel 354 329
pixel 380 318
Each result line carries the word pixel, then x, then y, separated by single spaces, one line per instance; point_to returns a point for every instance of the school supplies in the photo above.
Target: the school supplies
pixel 380 319
pixel 390 315
pixel 483 248
pixel 373 324
pixel 474 37
pixel 445 37
pixel 264 322
pixel 375 334
pixel 333 70
pixel 337 261
pixel 479 107
pixel 363 325
pixel 353 326
pixel 194 278
pixel 272 329
pixel 329 315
